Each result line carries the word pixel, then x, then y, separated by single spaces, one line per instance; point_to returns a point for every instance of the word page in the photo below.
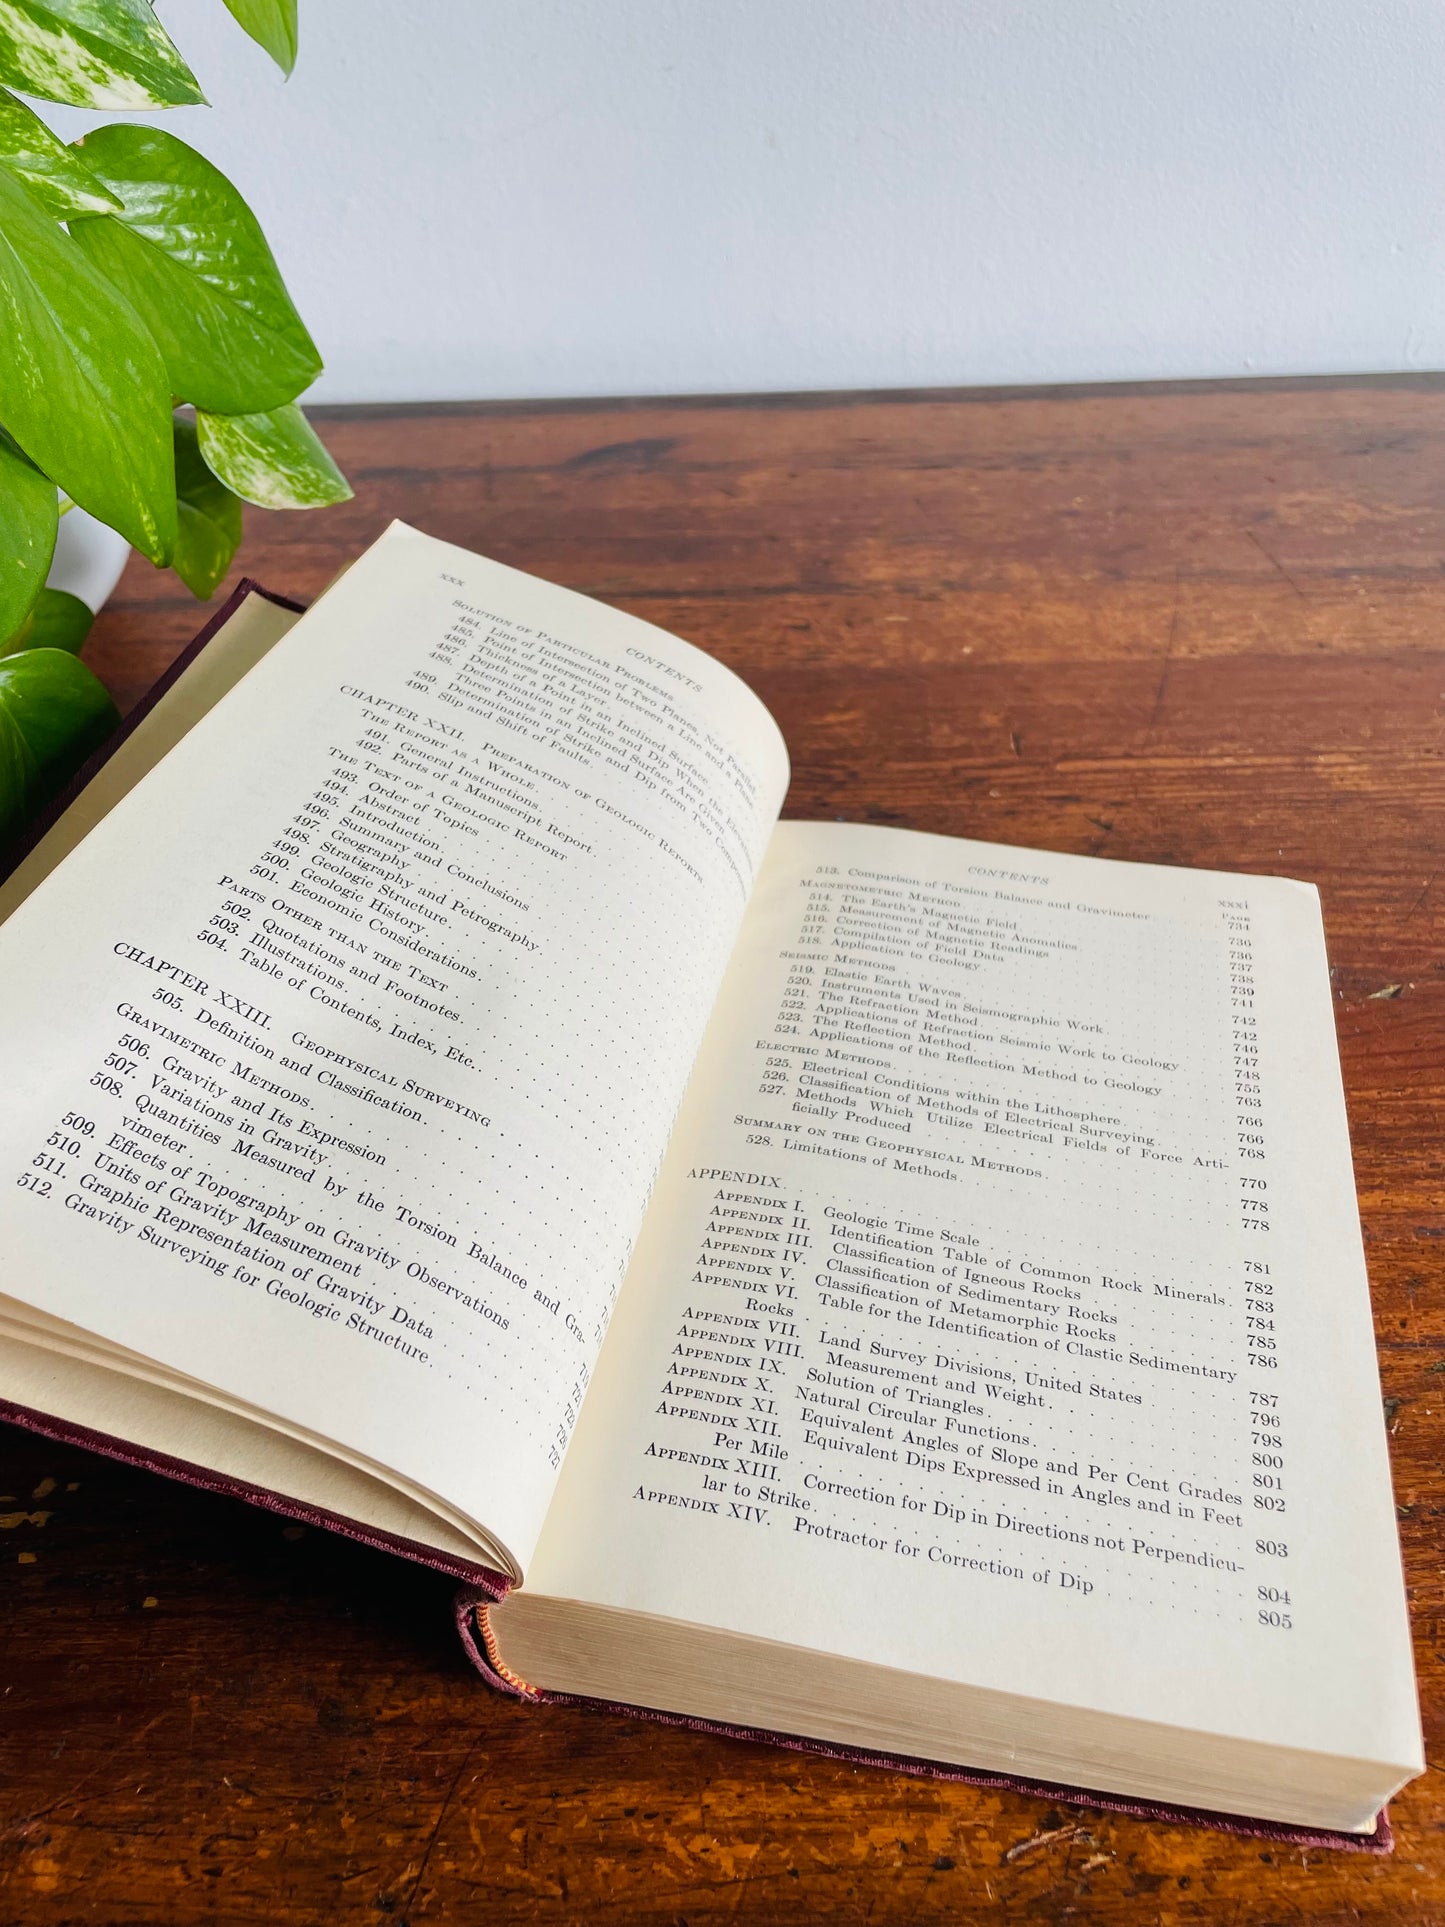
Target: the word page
pixel 341 1056
pixel 1001 1314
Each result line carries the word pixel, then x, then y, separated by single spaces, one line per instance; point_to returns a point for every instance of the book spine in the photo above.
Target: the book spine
pixel 472 1608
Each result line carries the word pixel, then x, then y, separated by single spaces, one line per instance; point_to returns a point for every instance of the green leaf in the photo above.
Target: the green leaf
pixel 92 53
pixel 53 713
pixel 272 25
pixel 29 514
pixel 57 620
pixel 17 770
pixel 275 460
pixel 82 385
pixel 209 531
pixel 48 167
pixel 190 257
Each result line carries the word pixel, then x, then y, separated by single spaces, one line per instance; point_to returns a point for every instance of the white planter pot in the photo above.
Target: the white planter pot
pixel 88 559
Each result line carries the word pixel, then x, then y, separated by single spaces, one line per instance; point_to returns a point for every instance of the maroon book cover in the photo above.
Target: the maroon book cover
pixel 483 1587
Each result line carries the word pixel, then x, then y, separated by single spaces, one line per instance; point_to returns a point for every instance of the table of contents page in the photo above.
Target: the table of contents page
pixel 377 1000
pixel 1005 1266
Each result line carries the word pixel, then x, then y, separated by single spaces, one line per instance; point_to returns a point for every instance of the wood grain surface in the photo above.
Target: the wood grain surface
pixel 1199 624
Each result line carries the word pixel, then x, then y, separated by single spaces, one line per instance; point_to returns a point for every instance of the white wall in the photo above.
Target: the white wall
pixel 571 197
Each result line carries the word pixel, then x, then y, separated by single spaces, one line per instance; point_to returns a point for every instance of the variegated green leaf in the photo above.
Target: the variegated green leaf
pixel 275 460
pixel 190 257
pixel 52 171
pixel 82 386
pixel 272 25
pixel 17 773
pixel 92 53
pixel 53 713
pixel 209 517
pixel 57 620
pixel 29 514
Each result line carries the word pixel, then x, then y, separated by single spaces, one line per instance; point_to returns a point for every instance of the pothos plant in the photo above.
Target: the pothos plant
pixel 150 356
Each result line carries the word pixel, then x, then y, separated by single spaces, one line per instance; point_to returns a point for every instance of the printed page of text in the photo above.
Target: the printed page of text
pixel 341 1056
pixel 1001 1315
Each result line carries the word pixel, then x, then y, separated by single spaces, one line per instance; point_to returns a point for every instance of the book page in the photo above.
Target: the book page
pixel 1001 1314
pixel 341 1055
pixel 231 1451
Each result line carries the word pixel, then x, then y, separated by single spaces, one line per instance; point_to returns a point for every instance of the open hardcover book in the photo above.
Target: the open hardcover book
pixel 864 1287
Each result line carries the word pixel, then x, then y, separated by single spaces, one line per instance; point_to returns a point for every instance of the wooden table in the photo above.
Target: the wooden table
pixel 1196 624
